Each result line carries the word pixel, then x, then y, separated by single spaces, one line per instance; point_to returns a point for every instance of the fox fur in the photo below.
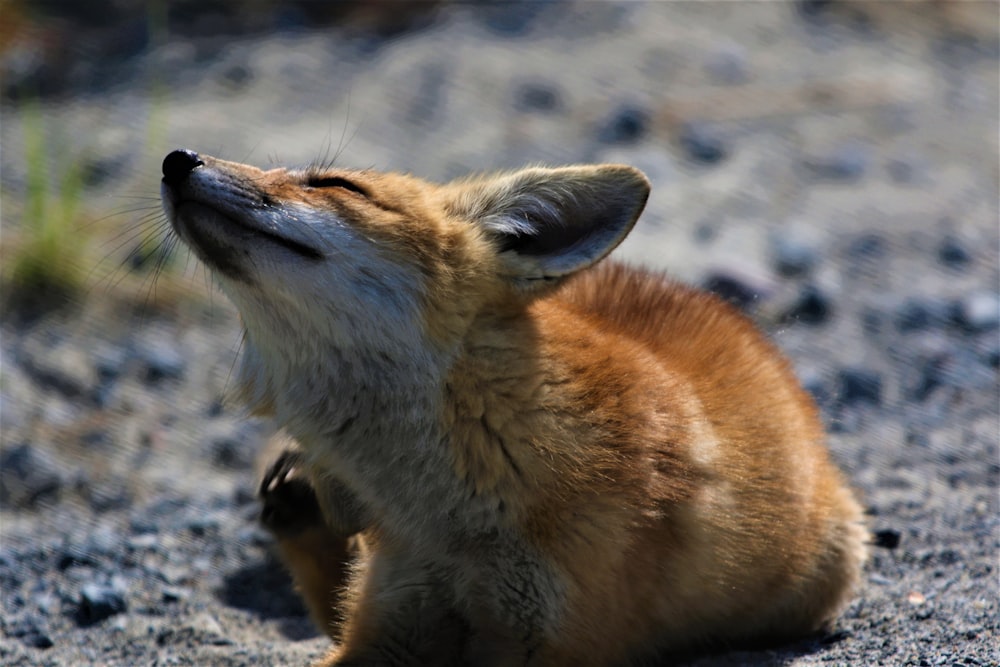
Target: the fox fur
pixel 513 451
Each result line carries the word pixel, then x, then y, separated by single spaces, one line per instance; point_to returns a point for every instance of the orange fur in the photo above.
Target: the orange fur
pixel 553 460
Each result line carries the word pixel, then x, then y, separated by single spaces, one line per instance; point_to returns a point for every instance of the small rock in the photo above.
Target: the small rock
pixel 959 368
pixel 702 143
pixel 978 311
pixel 728 65
pixel 142 525
pixel 28 476
pixel 537 97
pixel 792 257
pixel 859 385
pixel 216 408
pixel 918 314
pixel 930 378
pixel 46 602
pixel 846 162
pixel 31 631
pixel 64 369
pixel 813 306
pixel 173 594
pixel 101 601
pixel 237 76
pixel 627 125
pixel 868 247
pixel 813 8
pixel 510 20
pixel 952 253
pixel 203 628
pixel 162 361
pixel 202 525
pixel 105 498
pixel 886 539
pixel 109 362
pixel 231 449
pixel 738 288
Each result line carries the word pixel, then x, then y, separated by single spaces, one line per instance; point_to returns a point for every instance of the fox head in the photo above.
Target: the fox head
pixel 388 264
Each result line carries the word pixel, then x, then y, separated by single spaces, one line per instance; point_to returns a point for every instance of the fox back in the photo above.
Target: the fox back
pixel 551 459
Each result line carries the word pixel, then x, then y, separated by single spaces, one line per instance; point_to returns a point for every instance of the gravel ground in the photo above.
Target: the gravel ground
pixel 831 166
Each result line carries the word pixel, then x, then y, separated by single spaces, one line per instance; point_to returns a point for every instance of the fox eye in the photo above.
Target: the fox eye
pixel 334 182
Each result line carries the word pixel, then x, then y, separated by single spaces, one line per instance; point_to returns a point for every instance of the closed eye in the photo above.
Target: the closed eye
pixel 334 182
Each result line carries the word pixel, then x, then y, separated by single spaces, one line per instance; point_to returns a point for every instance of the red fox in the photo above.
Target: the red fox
pixel 510 452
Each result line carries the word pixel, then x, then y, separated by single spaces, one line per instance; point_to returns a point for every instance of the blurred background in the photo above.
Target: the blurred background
pixel 831 166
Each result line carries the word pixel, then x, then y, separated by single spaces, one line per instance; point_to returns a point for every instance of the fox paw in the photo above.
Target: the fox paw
pixel 289 500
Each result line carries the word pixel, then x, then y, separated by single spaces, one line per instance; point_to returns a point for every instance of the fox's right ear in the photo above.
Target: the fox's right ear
pixel 549 223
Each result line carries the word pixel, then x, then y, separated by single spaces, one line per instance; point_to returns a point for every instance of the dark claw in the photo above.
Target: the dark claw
pixel 289 503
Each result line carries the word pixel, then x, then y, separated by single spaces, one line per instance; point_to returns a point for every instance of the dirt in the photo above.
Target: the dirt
pixel 830 166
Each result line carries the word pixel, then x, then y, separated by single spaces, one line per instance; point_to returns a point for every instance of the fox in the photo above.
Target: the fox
pixel 501 448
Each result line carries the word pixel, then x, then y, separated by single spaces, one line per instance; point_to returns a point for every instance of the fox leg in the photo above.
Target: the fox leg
pixel 316 550
pixel 400 616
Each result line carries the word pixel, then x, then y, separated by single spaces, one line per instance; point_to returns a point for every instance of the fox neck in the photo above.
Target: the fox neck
pixel 366 410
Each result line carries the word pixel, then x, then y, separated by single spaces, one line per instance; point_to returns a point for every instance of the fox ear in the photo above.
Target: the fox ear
pixel 549 223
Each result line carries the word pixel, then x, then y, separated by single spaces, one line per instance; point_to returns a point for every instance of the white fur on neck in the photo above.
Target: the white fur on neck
pixel 353 377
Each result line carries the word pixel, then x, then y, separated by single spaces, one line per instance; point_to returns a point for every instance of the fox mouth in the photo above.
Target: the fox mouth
pixel 223 242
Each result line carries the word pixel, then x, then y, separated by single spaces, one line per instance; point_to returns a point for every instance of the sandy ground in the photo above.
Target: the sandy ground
pixel 833 166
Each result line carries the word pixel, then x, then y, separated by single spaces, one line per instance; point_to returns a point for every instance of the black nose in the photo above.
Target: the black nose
pixel 179 164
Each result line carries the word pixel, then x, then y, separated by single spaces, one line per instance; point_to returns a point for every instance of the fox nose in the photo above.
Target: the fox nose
pixel 179 164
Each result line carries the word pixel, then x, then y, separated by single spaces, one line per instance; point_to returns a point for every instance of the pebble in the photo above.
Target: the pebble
pixel 867 247
pixel 232 445
pixel 812 306
pixel 793 257
pixel 959 368
pixel 510 20
pixel 702 143
pixel 31 631
pixel 978 311
pixel 29 476
pixel 537 97
pixel 173 594
pixel 859 385
pixel 727 65
pixel 105 497
pixel 738 288
pixel 846 162
pixel 101 601
pixel 886 539
pixel 921 313
pixel 813 8
pixel 627 125
pixel 65 369
pixel 953 253
pixel 236 76
pixel 161 361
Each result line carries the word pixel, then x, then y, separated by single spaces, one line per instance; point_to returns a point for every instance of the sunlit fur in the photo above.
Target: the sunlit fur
pixel 560 463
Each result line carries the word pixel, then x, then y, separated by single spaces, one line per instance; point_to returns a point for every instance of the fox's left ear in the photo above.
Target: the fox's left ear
pixel 549 223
